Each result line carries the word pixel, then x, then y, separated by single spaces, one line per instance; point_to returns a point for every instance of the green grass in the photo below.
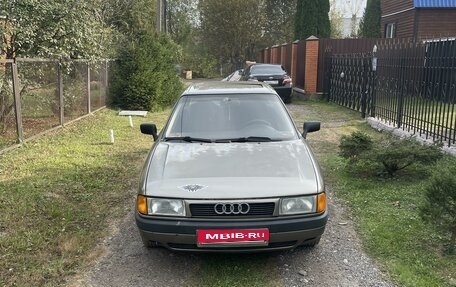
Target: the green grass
pixel 386 210
pixel 58 194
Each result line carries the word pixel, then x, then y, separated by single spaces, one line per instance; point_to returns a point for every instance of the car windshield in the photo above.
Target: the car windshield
pixel 267 70
pixel 230 118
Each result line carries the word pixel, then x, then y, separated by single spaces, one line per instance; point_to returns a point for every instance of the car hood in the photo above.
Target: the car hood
pixel 231 170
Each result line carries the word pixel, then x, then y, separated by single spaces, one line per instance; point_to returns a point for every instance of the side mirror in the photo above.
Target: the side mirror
pixel 310 127
pixel 149 129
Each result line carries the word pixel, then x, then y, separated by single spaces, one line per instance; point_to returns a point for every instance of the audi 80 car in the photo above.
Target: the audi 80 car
pixel 230 172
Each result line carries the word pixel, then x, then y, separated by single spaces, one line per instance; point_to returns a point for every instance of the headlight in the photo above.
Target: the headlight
pixel 170 207
pixel 160 206
pixel 298 205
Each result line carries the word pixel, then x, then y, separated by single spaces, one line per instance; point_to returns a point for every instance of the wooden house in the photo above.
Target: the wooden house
pixel 419 19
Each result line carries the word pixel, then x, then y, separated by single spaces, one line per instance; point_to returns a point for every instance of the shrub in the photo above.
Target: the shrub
pixel 388 157
pixel 440 204
pixel 352 146
pixel 145 77
pixel 396 154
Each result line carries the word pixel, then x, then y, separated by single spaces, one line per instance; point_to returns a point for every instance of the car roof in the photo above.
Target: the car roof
pixel 219 87
pixel 253 66
pixel 265 65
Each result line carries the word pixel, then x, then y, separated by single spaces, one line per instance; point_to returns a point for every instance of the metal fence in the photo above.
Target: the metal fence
pixel 408 84
pixel 38 95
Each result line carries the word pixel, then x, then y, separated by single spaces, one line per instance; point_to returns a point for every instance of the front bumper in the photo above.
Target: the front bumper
pixel 180 234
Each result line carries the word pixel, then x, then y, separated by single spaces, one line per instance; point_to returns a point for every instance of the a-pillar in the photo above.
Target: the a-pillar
pixel 311 71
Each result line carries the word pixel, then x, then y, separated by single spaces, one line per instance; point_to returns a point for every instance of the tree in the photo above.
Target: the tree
pixel 336 20
pixel 278 21
pixel 183 28
pixel 130 18
pixel 145 78
pixel 182 18
pixel 370 23
pixel 312 19
pixel 48 28
pixel 231 29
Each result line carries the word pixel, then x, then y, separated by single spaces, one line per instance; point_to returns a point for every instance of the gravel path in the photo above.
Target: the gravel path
pixel 337 261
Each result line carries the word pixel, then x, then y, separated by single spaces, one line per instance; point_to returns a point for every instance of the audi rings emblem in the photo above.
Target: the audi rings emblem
pixel 231 208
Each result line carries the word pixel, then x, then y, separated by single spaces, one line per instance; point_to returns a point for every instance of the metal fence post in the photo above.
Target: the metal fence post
pixel 374 81
pixel 400 99
pixel 89 109
pixel 364 91
pixel 17 104
pixel 60 91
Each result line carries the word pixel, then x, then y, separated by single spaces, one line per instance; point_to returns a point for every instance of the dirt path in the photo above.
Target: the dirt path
pixel 337 261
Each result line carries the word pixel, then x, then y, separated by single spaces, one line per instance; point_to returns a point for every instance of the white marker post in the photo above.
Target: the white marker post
pixel 111 136
pixel 130 120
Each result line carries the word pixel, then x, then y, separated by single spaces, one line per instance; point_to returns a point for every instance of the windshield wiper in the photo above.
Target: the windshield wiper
pixel 247 139
pixel 188 139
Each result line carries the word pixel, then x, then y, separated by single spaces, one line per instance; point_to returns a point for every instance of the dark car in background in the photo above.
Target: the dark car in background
pixel 274 75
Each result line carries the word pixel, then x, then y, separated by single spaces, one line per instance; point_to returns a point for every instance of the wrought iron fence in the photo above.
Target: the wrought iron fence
pixel 408 84
pixel 38 95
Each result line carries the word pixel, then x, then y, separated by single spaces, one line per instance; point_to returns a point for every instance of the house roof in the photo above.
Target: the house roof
pixel 434 3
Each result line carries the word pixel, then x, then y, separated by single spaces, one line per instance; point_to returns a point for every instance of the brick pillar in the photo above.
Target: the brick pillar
pixel 294 60
pixel 283 54
pixel 311 74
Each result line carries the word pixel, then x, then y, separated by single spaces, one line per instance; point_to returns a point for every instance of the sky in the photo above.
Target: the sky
pixel 349 7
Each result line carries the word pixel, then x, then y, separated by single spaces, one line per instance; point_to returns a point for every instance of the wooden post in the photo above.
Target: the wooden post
pixel 60 92
pixel 106 74
pixel 17 104
pixel 89 109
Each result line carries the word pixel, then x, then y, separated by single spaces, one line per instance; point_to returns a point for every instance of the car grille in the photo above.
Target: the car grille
pixel 256 209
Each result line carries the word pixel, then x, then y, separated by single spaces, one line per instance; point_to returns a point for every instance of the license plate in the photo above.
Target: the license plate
pixel 272 82
pixel 232 237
